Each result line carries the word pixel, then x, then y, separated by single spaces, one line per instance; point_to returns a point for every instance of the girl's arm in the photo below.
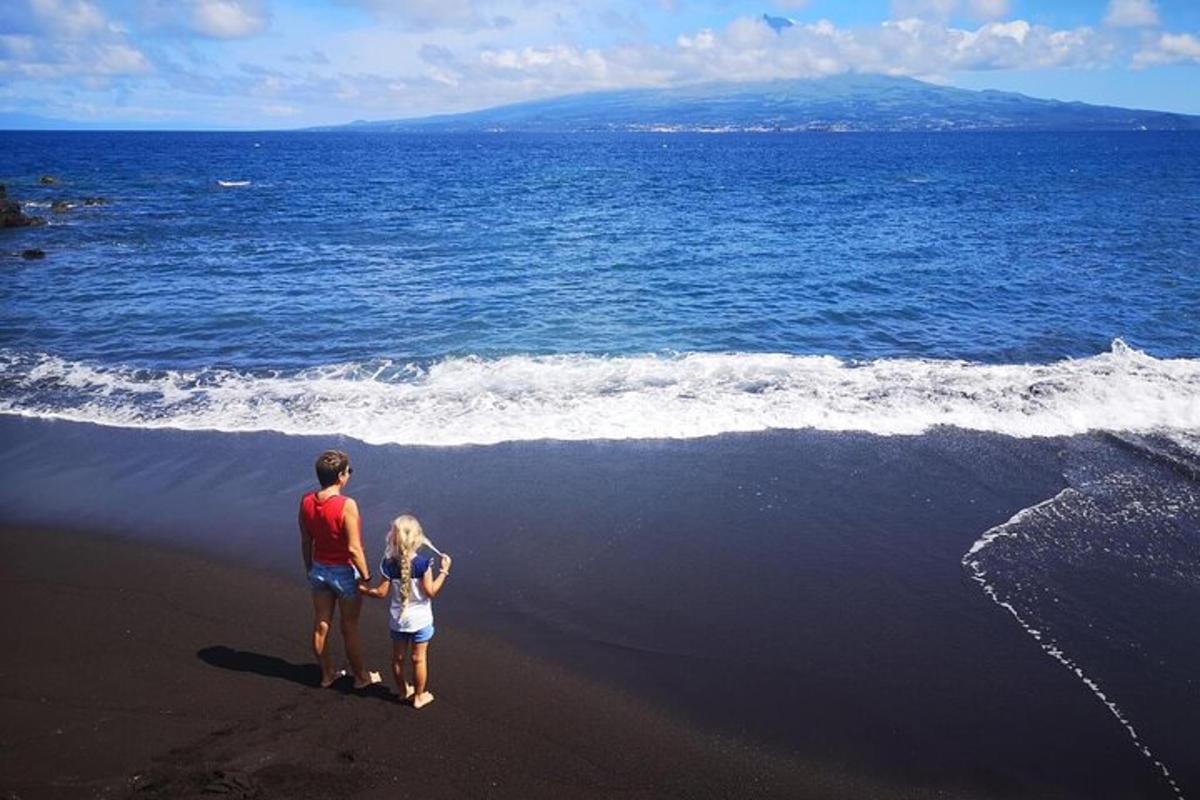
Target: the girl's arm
pixel 431 585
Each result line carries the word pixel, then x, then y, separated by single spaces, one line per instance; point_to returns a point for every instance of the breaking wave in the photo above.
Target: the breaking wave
pixel 473 400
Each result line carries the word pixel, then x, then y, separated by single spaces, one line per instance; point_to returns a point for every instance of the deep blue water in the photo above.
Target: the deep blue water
pixel 458 289
pixel 991 247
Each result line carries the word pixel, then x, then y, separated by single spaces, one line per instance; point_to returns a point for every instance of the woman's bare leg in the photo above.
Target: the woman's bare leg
pixel 351 607
pixel 323 603
pixel 422 696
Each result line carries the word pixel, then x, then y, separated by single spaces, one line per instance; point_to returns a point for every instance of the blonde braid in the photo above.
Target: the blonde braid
pixel 403 541
pixel 406 557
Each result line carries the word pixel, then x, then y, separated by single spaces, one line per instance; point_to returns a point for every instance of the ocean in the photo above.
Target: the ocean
pixel 475 289
pixel 984 349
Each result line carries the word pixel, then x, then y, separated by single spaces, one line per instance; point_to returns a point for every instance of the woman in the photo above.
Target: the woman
pixel 331 544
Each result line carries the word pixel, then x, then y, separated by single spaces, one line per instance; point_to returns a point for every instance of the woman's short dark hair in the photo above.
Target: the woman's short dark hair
pixel 330 465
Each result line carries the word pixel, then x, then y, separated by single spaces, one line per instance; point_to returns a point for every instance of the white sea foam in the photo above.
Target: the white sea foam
pixel 980 575
pixel 231 184
pixel 471 400
pixel 1126 520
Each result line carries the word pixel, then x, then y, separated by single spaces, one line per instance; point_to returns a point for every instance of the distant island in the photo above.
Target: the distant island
pixel 839 103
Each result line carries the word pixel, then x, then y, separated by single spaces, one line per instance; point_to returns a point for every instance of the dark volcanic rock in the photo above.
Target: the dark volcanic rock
pixel 95 201
pixel 33 254
pixel 47 180
pixel 11 216
pixel 59 206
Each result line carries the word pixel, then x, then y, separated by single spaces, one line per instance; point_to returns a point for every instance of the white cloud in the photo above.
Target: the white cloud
pixel 988 9
pixel 923 9
pixel 427 15
pixel 1169 48
pixel 70 38
pixel 119 59
pixel 74 19
pixel 228 19
pixel 1131 14
pixel 212 19
pixel 747 49
pixel 397 66
pixel 17 47
pixel 942 10
pixel 704 40
pixel 85 60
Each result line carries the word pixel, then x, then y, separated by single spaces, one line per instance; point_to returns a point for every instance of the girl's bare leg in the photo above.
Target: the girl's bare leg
pixel 398 655
pixel 323 603
pixel 422 696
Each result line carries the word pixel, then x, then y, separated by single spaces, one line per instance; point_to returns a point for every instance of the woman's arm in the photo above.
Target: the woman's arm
pixel 379 591
pixel 305 542
pixel 352 523
pixel 431 585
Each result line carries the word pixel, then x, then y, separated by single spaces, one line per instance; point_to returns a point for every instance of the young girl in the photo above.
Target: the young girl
pixel 413 586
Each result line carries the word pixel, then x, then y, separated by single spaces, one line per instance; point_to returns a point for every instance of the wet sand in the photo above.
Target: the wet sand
pixel 760 615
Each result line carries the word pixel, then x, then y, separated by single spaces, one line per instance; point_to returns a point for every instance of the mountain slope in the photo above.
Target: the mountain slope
pixel 841 103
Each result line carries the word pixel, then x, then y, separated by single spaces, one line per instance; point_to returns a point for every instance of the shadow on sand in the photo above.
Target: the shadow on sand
pixel 275 667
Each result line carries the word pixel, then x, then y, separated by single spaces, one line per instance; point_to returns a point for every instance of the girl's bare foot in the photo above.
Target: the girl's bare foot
pixel 422 700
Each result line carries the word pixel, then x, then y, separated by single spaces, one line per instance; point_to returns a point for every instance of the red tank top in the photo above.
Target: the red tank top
pixel 323 521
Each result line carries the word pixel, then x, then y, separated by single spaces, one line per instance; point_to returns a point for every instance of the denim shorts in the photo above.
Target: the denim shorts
pixel 416 637
pixel 341 579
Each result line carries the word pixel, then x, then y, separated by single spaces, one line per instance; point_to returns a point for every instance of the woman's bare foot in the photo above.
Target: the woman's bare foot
pixel 327 681
pixel 422 700
pixel 371 679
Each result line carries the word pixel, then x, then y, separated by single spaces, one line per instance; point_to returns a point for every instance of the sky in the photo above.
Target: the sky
pixel 265 64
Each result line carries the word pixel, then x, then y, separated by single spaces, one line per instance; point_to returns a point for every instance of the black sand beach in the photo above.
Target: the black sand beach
pixel 144 672
pixel 760 615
